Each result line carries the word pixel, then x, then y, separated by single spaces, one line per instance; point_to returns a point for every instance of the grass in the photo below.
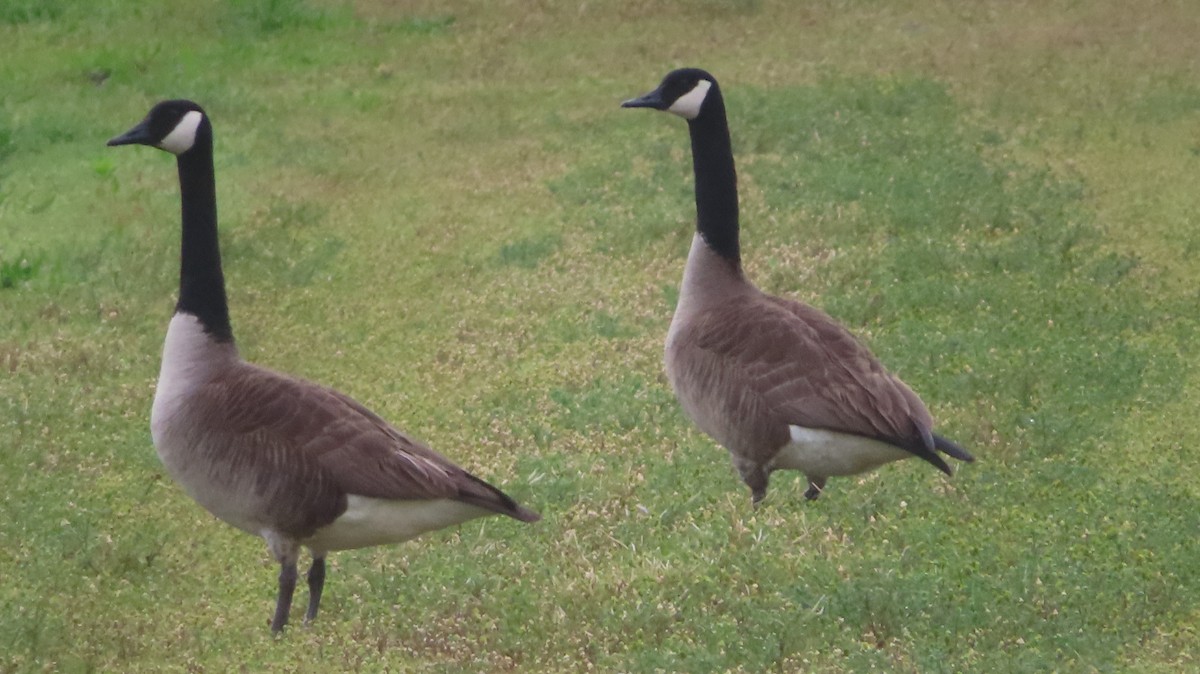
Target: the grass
pixel 440 209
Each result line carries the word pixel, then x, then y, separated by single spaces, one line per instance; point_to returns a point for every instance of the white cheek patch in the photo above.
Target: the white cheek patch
pixel 688 105
pixel 183 136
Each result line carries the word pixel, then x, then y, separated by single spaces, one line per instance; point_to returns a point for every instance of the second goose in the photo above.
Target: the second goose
pixel 779 383
pixel 298 464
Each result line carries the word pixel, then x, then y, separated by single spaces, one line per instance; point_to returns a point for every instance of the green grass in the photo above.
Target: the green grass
pixel 440 209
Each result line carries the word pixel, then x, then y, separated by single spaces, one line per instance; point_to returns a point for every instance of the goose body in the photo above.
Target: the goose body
pixel 298 464
pixel 778 383
pixel 223 428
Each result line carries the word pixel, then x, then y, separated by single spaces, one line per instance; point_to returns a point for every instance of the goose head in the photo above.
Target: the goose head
pixel 173 126
pixel 682 92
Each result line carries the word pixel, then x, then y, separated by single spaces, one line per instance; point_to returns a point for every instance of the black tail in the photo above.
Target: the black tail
pixel 951 449
pixel 923 446
pixel 487 496
pixel 924 449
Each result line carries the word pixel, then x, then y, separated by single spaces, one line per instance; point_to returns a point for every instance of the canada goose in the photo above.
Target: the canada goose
pixel 779 383
pixel 299 464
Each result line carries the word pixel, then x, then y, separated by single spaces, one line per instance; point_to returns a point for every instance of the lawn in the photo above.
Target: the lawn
pixel 440 209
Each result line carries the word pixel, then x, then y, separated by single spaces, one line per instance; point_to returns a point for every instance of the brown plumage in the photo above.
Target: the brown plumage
pixel 778 383
pixel 298 464
pixel 308 448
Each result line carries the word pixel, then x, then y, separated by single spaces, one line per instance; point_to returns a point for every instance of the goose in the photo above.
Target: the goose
pixel 778 383
pixel 298 464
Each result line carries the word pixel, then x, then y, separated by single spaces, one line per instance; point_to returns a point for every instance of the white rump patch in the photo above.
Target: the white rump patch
pixel 372 521
pixel 821 453
pixel 183 136
pixel 688 105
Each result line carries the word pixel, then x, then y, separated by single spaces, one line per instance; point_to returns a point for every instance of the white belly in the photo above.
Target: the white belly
pixel 370 521
pixel 821 453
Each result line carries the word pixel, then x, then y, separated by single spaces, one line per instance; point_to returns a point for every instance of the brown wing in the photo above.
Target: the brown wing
pixel 809 371
pixel 411 462
pixel 327 438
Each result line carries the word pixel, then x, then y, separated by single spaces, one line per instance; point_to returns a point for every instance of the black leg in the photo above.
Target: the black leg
pixel 316 583
pixel 815 487
pixel 283 605
pixel 755 477
pixel 757 496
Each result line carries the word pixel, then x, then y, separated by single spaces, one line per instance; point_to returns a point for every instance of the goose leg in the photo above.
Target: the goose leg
pixel 757 495
pixel 316 583
pixel 755 477
pixel 816 485
pixel 287 586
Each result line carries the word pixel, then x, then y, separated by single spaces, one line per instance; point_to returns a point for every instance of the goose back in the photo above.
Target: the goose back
pixel 748 369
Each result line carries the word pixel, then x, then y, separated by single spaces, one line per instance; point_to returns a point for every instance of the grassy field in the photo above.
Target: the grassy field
pixel 439 208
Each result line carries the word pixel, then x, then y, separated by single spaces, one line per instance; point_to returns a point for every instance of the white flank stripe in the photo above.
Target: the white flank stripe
pixel 372 521
pixel 824 453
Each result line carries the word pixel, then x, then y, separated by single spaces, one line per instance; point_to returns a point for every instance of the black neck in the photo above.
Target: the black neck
pixel 201 283
pixel 716 179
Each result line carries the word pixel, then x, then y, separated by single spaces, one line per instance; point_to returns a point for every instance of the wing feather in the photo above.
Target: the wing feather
pixel 805 369
pixel 316 439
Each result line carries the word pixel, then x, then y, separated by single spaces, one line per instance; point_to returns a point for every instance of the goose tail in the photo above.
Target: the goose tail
pixel 489 497
pixel 950 448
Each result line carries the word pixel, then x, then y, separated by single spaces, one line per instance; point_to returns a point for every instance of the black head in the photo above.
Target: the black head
pixel 171 125
pixel 682 92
